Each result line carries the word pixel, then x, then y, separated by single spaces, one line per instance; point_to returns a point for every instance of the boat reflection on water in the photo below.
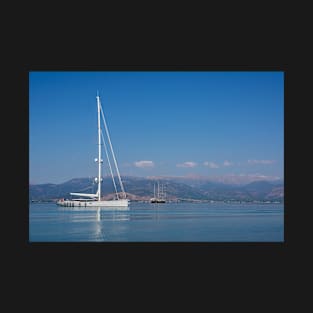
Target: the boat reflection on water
pixel 98 213
pixel 111 214
pixel 103 230
pixel 101 222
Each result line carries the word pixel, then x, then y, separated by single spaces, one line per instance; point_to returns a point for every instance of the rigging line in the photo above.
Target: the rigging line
pixel 106 152
pixel 114 159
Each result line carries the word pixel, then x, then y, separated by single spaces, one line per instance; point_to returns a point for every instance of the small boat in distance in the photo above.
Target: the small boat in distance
pixel 160 197
pixel 94 200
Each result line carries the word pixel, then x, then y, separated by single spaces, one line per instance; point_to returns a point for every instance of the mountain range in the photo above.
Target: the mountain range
pixel 176 189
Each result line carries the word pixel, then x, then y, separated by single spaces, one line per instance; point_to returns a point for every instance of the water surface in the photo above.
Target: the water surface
pixel 145 222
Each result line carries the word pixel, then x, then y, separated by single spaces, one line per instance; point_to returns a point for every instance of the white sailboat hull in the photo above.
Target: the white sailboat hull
pixel 120 204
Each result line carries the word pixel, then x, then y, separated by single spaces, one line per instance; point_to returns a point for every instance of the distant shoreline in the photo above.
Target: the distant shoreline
pixel 187 201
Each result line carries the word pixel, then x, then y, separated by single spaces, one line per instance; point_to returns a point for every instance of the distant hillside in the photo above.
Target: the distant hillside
pixel 139 188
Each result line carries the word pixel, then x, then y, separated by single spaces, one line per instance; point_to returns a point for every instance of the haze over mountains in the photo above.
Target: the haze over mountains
pixel 176 188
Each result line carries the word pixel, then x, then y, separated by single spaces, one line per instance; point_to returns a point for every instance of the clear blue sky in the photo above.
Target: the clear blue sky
pixel 184 123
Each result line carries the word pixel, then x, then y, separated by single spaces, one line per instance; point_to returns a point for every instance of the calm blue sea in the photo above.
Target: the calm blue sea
pixel 145 222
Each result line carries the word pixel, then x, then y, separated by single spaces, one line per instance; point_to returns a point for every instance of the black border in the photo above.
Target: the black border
pixel 159 67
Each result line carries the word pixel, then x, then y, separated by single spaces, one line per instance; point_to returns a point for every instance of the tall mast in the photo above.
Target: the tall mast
pixel 99 149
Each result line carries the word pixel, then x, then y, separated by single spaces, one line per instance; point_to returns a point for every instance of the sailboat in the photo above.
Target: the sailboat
pixel 94 200
pixel 159 197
